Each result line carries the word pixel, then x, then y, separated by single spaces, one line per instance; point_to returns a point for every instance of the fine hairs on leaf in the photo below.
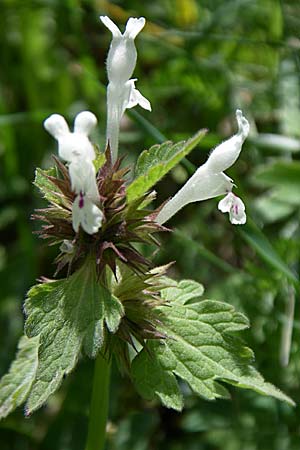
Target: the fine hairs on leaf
pixel 16 384
pixel 155 163
pixel 67 315
pixel 201 348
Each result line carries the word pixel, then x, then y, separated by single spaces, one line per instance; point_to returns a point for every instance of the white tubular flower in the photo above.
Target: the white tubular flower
pixel 209 180
pixel 76 144
pixel 235 207
pixel 121 91
pixel 78 151
pixel 86 214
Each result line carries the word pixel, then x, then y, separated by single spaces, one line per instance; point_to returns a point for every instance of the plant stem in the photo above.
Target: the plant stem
pixel 99 405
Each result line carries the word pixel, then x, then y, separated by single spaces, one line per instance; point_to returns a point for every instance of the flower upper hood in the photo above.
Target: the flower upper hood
pixel 122 55
pixel 76 144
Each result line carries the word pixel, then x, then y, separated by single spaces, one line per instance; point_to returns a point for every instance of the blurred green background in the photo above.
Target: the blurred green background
pixel 198 61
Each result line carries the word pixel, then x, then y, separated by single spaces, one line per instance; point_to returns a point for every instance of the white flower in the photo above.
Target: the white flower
pixel 121 91
pixel 209 180
pixel 78 151
pixel 235 207
pixel 86 214
pixel 76 144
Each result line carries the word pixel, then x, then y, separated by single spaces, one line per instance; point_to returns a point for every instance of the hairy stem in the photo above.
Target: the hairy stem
pixel 99 405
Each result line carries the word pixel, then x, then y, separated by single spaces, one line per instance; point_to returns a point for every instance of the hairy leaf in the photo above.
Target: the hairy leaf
pixel 49 190
pixel 182 292
pixel 155 163
pixel 99 160
pixel 67 314
pixel 16 384
pixel 201 349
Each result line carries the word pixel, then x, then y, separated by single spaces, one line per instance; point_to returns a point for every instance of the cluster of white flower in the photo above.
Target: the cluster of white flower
pixel 75 148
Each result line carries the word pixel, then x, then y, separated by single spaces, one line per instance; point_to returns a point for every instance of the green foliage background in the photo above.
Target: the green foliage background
pixel 198 61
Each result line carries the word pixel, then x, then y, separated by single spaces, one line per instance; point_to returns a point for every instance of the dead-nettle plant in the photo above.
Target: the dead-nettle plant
pixel 113 302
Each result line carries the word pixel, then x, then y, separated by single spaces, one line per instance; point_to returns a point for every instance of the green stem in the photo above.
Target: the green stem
pixel 99 405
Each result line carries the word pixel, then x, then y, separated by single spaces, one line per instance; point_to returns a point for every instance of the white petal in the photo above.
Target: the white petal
pixel 87 214
pixel 237 214
pixel 201 186
pixel 121 60
pixel 204 185
pixel 243 124
pixel 83 178
pixel 225 154
pixel 111 26
pixel 134 26
pixel 76 214
pixel 84 122
pixel 56 125
pixel 75 145
pixel 225 204
pixel 136 98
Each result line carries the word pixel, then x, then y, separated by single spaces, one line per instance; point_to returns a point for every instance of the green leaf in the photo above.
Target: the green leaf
pixel 155 163
pixel 154 378
pixel 113 312
pixel 201 349
pixel 49 190
pixel 16 384
pixel 100 158
pixel 183 292
pixel 67 315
